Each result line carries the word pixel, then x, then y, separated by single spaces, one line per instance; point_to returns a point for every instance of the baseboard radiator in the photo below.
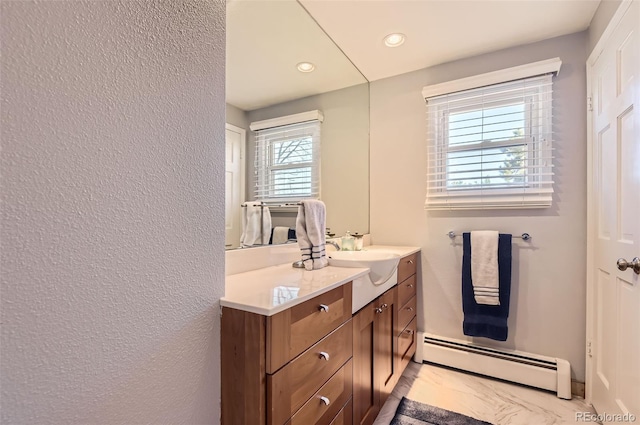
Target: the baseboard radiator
pixel 524 368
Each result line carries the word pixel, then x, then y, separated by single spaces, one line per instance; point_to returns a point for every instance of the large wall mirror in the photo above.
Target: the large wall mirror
pixel 266 40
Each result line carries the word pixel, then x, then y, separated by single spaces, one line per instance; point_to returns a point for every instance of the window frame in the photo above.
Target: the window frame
pixel 271 132
pixel 537 189
pixel 266 176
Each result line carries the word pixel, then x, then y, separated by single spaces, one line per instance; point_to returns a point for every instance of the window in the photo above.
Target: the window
pixel 287 161
pixel 490 147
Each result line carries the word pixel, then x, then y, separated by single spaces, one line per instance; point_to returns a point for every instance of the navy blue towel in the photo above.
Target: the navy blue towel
pixel 489 321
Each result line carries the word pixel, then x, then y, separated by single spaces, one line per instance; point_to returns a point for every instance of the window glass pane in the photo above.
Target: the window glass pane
pixel 491 146
pixel 292 151
pixel 291 182
pixel 286 162
pixel 487 125
pixel 495 167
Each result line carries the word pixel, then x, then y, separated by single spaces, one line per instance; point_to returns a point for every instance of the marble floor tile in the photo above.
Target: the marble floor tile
pixel 494 401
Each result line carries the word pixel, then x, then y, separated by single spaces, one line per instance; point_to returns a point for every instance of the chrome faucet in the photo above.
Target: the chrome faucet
pixel 334 244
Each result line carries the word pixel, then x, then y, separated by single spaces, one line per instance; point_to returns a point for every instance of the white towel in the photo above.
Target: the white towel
pixel 484 267
pixel 254 218
pixel 280 235
pixel 310 228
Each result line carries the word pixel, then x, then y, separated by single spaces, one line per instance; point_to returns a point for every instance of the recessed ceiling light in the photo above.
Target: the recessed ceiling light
pixel 306 67
pixel 394 40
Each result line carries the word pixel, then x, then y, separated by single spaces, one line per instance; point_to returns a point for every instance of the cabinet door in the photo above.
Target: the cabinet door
pixel 366 394
pixel 386 317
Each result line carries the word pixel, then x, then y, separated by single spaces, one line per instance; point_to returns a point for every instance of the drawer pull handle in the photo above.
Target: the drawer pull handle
pixel 324 355
pixel 410 308
pixel 410 285
pixel 325 400
pixel 410 261
pixel 323 308
pixel 409 331
pixel 382 308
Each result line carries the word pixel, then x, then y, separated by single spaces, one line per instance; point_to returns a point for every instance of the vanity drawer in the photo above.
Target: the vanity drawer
pixel 407 266
pixel 407 344
pixel 406 313
pixel 292 331
pixel 290 387
pixel 345 415
pixel 336 391
pixel 407 290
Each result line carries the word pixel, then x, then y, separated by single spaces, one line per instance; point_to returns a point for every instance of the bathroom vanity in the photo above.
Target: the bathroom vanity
pixel 294 352
pixel 384 340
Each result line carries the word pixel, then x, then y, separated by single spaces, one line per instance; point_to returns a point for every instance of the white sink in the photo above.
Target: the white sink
pixel 381 263
pixel 383 273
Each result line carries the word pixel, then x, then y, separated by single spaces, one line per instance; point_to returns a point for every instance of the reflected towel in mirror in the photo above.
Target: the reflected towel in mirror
pixel 256 224
pixel 280 235
pixel 310 228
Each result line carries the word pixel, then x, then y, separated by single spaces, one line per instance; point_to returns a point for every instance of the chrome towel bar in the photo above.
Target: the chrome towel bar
pixel 524 236
pixel 288 204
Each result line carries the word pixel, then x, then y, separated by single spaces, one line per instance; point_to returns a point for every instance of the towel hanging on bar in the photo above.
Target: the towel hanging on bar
pixel 256 221
pixel 489 321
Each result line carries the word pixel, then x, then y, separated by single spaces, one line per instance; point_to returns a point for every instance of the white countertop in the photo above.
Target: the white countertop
pixel 270 290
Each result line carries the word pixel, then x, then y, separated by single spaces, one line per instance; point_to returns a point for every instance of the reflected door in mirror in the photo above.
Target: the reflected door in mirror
pixel 234 184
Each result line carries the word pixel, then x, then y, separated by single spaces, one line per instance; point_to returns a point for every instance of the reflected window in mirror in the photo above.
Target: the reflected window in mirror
pixel 277 89
pixel 287 160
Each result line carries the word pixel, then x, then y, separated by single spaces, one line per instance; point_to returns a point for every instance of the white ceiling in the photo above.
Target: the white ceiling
pixel 441 31
pixel 267 38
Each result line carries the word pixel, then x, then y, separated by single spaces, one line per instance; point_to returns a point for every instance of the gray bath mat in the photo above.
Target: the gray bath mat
pixel 413 413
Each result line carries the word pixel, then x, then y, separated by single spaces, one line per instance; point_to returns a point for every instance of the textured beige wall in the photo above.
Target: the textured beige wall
pixel 112 211
pixel 548 294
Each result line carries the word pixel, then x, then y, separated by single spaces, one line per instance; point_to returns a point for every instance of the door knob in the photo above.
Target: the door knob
pixel 634 264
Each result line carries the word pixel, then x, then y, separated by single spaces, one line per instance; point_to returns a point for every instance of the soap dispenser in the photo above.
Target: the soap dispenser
pixel 348 242
pixel 359 241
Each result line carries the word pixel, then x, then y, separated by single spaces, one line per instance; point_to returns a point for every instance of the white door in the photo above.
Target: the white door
pixel 613 359
pixel 234 184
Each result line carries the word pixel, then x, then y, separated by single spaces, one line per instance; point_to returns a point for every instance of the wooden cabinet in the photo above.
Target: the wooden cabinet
pixel 366 394
pixel 316 364
pixel 406 345
pixel 385 364
pixel 290 387
pixel 294 330
pixel 291 368
pixel 406 328
pixel 344 416
pixel 384 340
pixel 375 367
pixel 407 267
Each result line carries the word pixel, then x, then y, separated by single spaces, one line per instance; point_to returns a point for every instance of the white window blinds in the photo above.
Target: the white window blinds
pixel 287 164
pixel 490 147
